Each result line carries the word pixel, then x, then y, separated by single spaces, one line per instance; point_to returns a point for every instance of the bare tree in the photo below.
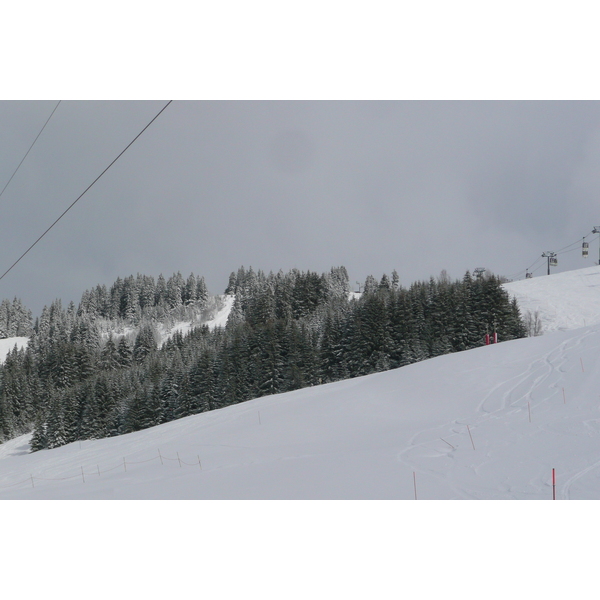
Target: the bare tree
pixel 533 323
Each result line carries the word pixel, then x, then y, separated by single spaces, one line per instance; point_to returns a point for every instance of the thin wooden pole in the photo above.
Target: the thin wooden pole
pixel 179 460
pixel 564 397
pixel 82 476
pixel 472 443
pixel 124 465
pixel 199 463
pixel 449 444
pixel 159 456
pixel 415 483
pixel 529 408
pixel 553 484
pixel 581 360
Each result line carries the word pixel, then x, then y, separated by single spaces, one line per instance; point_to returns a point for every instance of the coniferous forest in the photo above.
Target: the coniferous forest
pixel 98 369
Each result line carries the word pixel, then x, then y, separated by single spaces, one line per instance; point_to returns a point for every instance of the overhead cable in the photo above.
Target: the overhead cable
pixel 86 190
pixel 561 251
pixel 30 147
pixel 576 242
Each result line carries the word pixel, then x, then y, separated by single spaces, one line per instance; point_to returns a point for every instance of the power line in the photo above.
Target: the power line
pixel 85 191
pixel 30 147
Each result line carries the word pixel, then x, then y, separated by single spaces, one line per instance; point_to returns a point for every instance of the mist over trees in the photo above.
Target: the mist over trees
pixel 99 370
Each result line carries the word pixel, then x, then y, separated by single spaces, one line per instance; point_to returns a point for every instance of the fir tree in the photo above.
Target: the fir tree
pixel 145 344
pixel 124 353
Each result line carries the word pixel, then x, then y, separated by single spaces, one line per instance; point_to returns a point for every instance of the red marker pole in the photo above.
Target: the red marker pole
pixel 553 485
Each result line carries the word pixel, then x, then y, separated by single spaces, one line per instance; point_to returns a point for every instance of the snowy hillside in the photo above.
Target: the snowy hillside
pixel 223 306
pixel 486 423
pixel 564 300
pixel 489 423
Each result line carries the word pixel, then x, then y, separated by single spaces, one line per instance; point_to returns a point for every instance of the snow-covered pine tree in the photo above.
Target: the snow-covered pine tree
pixel 145 343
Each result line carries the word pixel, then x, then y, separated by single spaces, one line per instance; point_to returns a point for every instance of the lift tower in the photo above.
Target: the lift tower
pixel 552 260
pixel 597 230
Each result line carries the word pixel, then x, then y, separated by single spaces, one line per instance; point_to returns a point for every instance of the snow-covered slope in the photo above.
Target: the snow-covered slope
pixel 220 319
pixel 223 306
pixel 486 423
pixel 564 300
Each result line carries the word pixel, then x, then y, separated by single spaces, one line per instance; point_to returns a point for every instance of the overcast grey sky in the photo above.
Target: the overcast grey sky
pixel 417 186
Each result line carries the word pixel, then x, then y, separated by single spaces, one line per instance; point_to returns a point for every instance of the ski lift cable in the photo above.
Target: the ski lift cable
pixel 85 191
pixel 567 251
pixel 561 251
pixel 538 268
pixel 523 271
pixel 30 147
pixel 535 261
pixel 528 268
pixel 518 274
pixel 576 242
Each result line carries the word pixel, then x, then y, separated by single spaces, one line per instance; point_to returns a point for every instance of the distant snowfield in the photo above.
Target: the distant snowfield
pixel 564 300
pixel 219 320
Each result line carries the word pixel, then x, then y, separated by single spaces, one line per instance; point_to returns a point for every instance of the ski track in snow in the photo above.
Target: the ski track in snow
pixel 507 404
